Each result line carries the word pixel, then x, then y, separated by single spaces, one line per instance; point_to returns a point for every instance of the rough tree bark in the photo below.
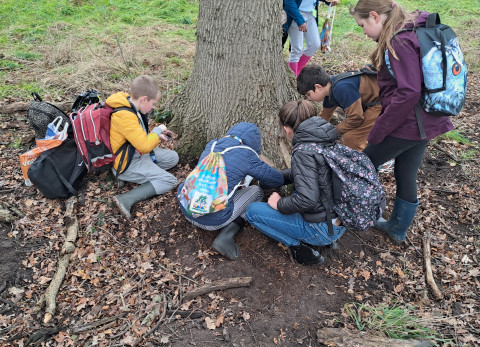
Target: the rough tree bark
pixel 238 75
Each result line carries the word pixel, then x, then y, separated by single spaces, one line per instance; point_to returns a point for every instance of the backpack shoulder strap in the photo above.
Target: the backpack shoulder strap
pixel 368 69
pixel 346 74
pixel 124 108
pixel 230 148
pixel 433 19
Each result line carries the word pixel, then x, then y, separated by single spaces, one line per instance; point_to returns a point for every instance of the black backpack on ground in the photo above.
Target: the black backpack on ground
pixel 59 172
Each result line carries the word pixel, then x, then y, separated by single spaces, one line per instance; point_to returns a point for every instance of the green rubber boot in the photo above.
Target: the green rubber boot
pixel 126 200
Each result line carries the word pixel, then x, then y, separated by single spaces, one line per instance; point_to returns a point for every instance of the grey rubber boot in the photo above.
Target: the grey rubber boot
pixel 224 243
pixel 402 217
pixel 140 193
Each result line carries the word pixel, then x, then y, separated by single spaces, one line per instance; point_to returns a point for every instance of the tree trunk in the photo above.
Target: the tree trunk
pixel 239 75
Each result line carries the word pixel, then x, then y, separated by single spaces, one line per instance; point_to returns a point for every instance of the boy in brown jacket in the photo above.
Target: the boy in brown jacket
pixel 355 92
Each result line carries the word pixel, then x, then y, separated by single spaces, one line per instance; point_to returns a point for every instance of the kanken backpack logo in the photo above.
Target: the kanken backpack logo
pixel 91 129
pixel 359 198
pixel 206 188
pixel 443 67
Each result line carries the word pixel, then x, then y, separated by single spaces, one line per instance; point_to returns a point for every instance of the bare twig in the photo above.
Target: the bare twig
pixel 379 250
pixel 437 294
pixel 160 321
pixel 123 57
pixel 218 285
pixel 436 146
pixel 93 325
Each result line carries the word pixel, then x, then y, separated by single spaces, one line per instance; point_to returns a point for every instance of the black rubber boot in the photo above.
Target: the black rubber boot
pixel 126 200
pixel 224 243
pixel 306 255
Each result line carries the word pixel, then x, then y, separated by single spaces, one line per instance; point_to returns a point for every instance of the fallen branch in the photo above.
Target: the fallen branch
pixel 160 320
pixel 5 215
pixel 218 285
pixel 185 314
pixel 69 246
pixel 14 209
pixel 93 325
pixel 436 146
pixel 42 335
pixel 348 338
pixel 23 106
pixel 437 294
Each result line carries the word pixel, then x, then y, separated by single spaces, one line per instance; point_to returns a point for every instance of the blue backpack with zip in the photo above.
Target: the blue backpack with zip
pixel 443 67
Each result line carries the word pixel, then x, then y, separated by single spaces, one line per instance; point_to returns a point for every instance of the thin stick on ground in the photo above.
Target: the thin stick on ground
pixel 218 285
pixel 69 246
pixel 159 322
pixel 437 294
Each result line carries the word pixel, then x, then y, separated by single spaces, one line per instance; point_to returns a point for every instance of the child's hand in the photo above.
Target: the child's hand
pixel 273 200
pixel 168 134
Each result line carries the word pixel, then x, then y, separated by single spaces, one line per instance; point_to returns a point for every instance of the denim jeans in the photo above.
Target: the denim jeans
pixel 290 229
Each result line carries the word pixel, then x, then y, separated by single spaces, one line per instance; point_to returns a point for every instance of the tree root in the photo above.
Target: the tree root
pixel 69 246
pixel 427 261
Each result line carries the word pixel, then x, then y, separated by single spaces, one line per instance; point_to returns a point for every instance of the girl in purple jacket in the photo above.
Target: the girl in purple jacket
pixel 395 133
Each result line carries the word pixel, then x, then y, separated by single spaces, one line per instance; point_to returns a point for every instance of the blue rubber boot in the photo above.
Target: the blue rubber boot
pixel 402 216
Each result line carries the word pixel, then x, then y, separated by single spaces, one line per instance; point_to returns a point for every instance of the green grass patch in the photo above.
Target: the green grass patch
pixel 9 65
pixel 394 321
pixel 469 153
pixel 456 136
pixel 21 90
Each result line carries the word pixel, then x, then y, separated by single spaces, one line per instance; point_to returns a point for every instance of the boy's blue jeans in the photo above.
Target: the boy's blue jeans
pixel 290 229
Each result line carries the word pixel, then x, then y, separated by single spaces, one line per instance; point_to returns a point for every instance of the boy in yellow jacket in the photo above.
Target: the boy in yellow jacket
pixel 143 162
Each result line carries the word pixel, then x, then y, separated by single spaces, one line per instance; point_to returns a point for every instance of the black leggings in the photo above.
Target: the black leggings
pixel 408 156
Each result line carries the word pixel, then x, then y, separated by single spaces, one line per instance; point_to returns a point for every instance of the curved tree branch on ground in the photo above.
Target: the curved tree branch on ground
pixel 437 294
pixel 69 246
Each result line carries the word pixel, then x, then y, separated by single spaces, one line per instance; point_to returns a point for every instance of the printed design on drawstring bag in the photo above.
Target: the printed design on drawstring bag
pixel 206 188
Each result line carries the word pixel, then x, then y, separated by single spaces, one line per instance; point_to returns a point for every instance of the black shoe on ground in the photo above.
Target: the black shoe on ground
pixel 306 255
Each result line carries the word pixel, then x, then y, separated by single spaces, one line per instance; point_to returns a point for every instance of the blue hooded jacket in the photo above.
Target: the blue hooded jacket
pixel 239 163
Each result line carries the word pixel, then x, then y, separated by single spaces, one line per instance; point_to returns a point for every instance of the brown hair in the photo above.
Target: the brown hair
pixel 144 86
pixel 397 17
pixel 295 112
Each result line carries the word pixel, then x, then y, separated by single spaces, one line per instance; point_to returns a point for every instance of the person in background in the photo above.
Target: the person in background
pixel 396 133
pixel 301 25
